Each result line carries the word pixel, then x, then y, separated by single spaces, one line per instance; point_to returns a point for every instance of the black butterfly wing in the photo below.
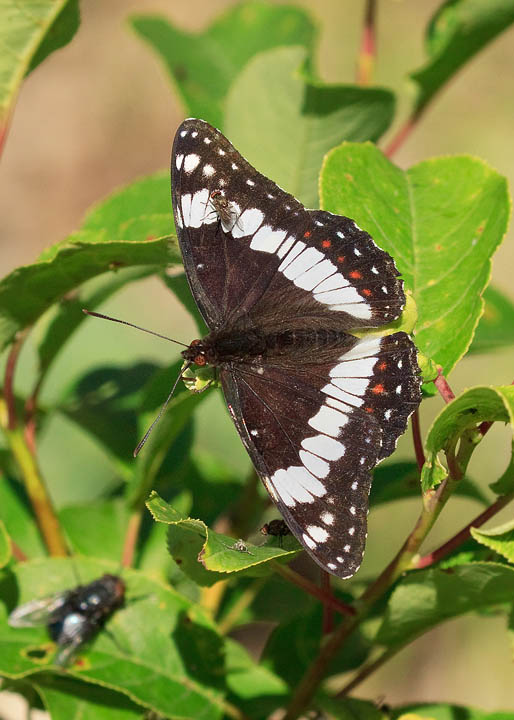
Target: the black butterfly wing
pixel 250 248
pixel 316 430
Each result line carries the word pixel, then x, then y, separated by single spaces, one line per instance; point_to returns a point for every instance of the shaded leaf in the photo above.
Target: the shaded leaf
pixel 292 645
pixel 67 698
pixel 18 518
pixel 207 556
pixel 97 529
pixel 467 411
pixel 68 313
pixel 496 326
pixel 5 545
pixel 351 709
pixel 456 33
pixel 397 481
pixel 446 711
pixel 255 689
pixel 441 220
pixel 159 650
pixel 426 598
pixel 30 31
pixel 500 539
pixel 180 288
pixel 120 232
pixel 283 122
pixel 204 65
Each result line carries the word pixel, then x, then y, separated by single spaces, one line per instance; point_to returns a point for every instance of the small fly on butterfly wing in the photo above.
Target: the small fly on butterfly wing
pixel 75 616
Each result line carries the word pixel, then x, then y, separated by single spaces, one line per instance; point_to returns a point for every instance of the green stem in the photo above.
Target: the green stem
pixel 434 502
pixel 368 49
pixel 38 495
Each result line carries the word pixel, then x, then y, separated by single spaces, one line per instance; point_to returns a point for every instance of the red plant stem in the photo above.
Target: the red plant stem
pixel 131 535
pixel 464 534
pixel 10 401
pixel 416 436
pixel 301 581
pixel 368 46
pixel 444 389
pixel 402 135
pixel 18 553
pixel 328 610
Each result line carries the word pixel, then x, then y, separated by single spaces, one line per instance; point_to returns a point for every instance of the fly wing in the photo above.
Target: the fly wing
pixel 39 612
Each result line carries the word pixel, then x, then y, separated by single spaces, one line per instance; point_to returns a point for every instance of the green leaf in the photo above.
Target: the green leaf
pixel 351 709
pixel 67 698
pixel 397 481
pixel 207 556
pixel 445 711
pixel 30 31
pixel 500 539
pixel 126 229
pixel 68 314
pixel 426 598
pixel 283 122
pixel 441 221
pixel 159 650
pixel 5 546
pixel 456 33
pixel 204 65
pixel 254 688
pixel 292 645
pixel 496 326
pixel 17 516
pixel 468 410
pixel 97 529
pixel 180 288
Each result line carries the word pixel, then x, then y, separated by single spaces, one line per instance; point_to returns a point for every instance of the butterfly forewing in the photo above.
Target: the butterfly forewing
pixel 281 289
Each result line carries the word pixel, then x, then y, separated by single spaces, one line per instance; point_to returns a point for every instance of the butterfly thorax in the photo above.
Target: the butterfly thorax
pixel 225 347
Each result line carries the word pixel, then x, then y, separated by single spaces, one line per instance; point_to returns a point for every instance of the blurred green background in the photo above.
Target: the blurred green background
pixel 100 113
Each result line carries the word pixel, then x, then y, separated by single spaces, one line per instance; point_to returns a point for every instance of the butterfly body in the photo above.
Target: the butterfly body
pixel 282 289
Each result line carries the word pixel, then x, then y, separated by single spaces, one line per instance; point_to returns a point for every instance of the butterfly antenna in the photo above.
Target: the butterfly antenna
pixel 137 327
pixel 161 411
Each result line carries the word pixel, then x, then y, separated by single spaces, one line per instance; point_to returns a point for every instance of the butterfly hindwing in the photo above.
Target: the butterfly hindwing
pixel 315 430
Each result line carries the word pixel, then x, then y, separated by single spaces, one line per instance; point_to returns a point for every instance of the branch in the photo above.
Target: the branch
pixel 368 48
pixel 442 385
pixel 402 135
pixel 10 367
pixel 131 535
pixel 464 534
pixel 301 581
pixel 432 506
pixel 328 612
pixel 418 443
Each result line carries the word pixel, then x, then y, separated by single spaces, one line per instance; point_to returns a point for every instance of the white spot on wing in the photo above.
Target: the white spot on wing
pixel 303 262
pixel 308 280
pixel 335 390
pixel 358 368
pixel 191 162
pixel 318 533
pixel 286 246
pixel 327 518
pixel 208 171
pixel 267 240
pixel 325 447
pixel 248 222
pixel 295 250
pixel 332 283
pixel 314 464
pixel 346 295
pixel 308 541
pixel 178 161
pixel 328 421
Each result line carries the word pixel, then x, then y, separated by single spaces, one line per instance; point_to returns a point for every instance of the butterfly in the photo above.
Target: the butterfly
pixel 281 288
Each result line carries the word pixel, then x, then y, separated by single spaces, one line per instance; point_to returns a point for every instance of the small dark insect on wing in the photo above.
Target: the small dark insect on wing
pixel 73 616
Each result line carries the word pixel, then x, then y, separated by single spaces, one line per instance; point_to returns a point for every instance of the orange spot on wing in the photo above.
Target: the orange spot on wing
pixel 378 389
pixel 307 233
pixel 367 292
pixel 326 243
pixel 382 366
pixel 355 274
pixel 369 409
pixel 340 258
